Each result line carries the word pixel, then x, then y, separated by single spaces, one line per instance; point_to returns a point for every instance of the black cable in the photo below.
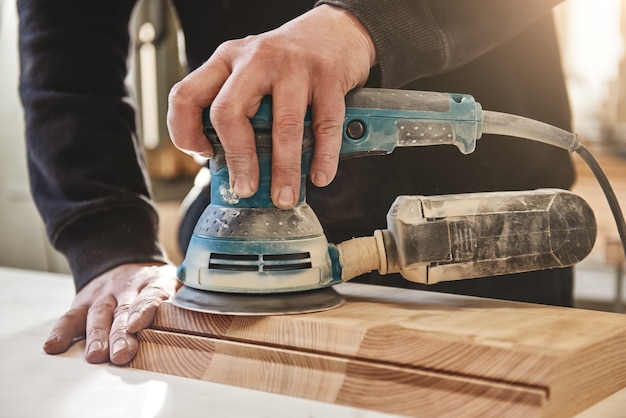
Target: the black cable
pixel 608 192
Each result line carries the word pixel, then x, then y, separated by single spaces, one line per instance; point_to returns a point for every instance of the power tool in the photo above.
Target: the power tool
pixel 247 257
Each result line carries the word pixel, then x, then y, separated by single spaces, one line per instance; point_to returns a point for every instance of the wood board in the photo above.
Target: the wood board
pixel 404 352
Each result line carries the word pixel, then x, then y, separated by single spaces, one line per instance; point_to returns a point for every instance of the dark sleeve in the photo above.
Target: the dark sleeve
pixel 85 162
pixel 420 38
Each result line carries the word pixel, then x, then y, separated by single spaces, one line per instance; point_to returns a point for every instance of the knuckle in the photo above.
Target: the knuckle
pixel 327 128
pixel 226 47
pixel 326 158
pixel 156 292
pixel 179 94
pixel 241 157
pixel 264 48
pixel 101 308
pixel 75 313
pixel 96 333
pixel 288 127
pixel 121 309
pixel 286 170
pixel 149 303
pixel 144 275
pixel 117 333
pixel 223 111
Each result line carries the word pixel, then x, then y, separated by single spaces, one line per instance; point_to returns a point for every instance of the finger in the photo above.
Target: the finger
pixel 186 102
pixel 66 329
pixel 230 115
pixel 290 102
pixel 328 110
pixel 124 345
pixel 98 328
pixel 144 308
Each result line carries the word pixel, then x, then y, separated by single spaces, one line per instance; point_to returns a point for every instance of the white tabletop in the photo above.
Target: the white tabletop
pixel 33 384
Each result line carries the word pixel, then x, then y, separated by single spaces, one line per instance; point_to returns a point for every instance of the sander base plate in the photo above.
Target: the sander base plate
pixel 256 304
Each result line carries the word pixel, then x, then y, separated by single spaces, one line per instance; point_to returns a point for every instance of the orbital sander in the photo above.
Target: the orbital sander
pixel 247 257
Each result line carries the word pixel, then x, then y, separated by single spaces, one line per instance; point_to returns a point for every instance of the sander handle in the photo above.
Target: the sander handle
pixel 379 120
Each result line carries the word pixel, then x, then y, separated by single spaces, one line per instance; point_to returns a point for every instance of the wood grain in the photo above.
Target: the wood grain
pixel 405 352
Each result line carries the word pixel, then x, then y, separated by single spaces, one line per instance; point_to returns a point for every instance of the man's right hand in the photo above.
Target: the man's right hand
pixel 314 59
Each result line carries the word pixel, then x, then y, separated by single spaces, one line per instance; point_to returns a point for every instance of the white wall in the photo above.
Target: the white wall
pixel 593 47
pixel 23 243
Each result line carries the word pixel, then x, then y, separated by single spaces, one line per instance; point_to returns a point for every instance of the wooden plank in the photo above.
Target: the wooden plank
pixel 406 352
pixel 365 384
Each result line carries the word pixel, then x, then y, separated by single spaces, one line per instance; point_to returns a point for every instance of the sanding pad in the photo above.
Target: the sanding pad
pixel 254 304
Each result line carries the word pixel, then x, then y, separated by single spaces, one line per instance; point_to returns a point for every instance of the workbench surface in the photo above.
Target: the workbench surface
pixel 34 384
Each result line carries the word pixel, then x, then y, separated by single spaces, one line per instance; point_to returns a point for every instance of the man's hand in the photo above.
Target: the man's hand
pixel 314 59
pixel 110 309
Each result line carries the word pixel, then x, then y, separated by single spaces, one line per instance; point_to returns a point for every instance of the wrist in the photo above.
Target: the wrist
pixel 357 28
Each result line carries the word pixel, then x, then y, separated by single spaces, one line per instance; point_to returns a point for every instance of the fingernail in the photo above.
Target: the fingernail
pixel 286 197
pixel 205 154
pixel 119 345
pixel 52 341
pixel 96 346
pixel 242 186
pixel 319 178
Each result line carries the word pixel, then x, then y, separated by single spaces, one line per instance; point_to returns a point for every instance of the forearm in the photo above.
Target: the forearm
pixel 85 164
pixel 420 38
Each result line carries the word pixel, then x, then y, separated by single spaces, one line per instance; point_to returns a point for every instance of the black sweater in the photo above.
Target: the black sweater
pixel 86 167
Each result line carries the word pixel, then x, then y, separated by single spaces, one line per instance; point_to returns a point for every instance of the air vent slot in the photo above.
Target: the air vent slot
pixel 260 262
pixel 234 262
